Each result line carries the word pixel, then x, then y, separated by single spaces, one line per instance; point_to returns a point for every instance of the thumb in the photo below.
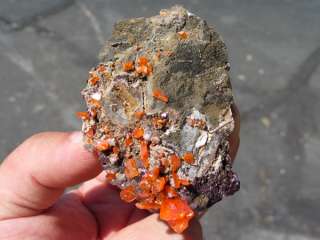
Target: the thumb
pixel 34 175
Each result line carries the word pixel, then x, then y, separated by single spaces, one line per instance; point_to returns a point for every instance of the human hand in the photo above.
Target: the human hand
pixel 32 204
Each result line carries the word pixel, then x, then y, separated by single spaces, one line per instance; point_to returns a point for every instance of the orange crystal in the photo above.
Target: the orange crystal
pixel 139 115
pixel 144 70
pixel 188 157
pixel 175 162
pixel 184 182
pixel 102 145
pixel 176 180
pixel 179 225
pixel 183 35
pixel 138 132
pixel 110 176
pixel 159 185
pixel 90 133
pixel 156 172
pixel 131 170
pixel 171 192
pixel 160 198
pixel 145 185
pixel 83 115
pixel 147 205
pixel 158 94
pixel 144 153
pixel 158 122
pixel 165 163
pixel 128 66
pixel 94 79
pixel 142 60
pixel 150 177
pixel 101 68
pixel 144 67
pixel 128 194
pixel 128 141
pixel 94 102
pixel 177 213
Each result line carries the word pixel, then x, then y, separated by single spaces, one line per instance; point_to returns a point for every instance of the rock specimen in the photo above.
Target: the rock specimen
pixel 159 115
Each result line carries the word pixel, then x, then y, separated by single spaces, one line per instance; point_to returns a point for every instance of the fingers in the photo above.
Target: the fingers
pixel 112 214
pixel 67 219
pixel 234 139
pixel 120 220
pixel 123 221
pixel 152 228
pixel 37 172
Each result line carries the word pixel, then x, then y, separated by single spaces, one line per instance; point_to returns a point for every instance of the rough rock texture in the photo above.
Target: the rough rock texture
pixel 159 112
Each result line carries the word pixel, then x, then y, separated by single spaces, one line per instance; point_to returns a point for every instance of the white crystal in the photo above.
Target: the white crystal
pixel 111 141
pixel 202 139
pixel 96 96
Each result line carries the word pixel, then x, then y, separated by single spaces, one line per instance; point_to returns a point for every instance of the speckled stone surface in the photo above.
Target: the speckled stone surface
pixel 189 65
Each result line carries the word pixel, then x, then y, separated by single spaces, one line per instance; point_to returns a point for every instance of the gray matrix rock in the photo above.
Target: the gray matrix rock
pixel 159 112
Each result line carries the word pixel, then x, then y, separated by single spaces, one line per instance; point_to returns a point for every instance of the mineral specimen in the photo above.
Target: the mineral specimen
pixel 159 115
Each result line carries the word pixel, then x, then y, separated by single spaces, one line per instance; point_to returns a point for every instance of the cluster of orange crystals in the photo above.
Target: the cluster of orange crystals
pixel 154 191
pixel 142 68
pixel 157 189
